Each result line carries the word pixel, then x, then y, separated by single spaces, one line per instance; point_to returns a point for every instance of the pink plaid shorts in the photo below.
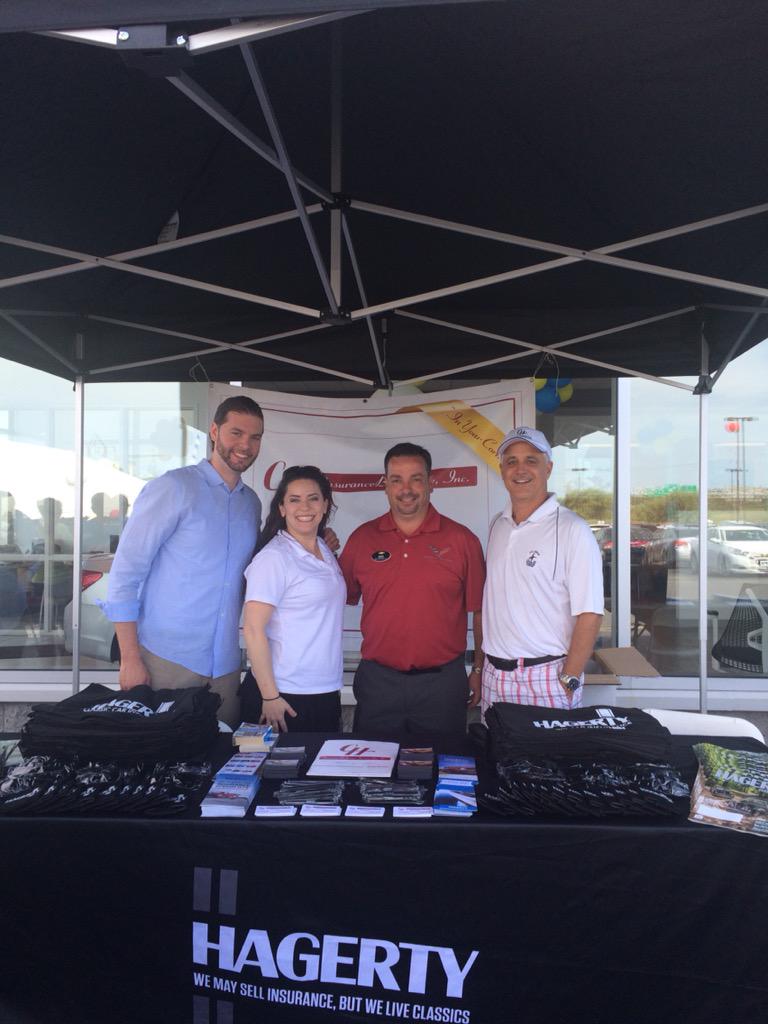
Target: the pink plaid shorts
pixel 536 685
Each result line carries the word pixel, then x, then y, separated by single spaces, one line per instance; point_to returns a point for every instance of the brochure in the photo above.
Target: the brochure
pixel 355 759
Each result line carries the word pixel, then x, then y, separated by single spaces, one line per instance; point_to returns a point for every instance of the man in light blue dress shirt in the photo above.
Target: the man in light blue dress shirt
pixel 176 585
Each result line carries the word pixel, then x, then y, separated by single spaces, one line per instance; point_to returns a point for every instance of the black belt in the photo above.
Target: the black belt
pixel 430 670
pixel 505 665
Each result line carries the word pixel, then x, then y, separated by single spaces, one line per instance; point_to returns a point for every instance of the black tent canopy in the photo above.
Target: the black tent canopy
pixel 379 192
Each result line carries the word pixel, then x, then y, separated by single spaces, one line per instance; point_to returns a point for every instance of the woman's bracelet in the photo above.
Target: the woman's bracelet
pixel 265 700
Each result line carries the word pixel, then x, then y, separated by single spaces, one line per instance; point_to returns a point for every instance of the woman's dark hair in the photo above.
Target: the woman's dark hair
pixel 275 521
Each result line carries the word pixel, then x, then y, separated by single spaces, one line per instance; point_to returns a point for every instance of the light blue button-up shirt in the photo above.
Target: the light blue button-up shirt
pixel 178 569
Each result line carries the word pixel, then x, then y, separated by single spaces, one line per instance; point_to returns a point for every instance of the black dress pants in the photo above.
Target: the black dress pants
pixel 424 701
pixel 316 712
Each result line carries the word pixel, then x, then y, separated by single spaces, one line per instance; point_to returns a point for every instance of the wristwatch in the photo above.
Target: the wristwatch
pixel 478 669
pixel 571 683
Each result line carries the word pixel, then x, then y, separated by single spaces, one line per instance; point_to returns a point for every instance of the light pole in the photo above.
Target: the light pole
pixel 737 425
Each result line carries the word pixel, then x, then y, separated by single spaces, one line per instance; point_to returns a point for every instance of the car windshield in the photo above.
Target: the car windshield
pixel 744 535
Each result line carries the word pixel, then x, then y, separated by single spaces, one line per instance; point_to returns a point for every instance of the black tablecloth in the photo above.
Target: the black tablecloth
pixel 610 923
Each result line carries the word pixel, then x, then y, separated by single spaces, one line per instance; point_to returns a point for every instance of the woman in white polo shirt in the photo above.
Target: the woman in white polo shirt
pixel 294 607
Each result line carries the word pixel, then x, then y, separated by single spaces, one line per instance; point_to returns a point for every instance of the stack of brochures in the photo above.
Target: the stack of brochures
pixel 284 763
pixel 234 787
pixel 415 763
pixel 455 790
pixel 249 736
pixel 731 789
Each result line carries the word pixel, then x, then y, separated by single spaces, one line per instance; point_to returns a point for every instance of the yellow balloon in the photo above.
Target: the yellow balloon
pixel 539 383
pixel 565 392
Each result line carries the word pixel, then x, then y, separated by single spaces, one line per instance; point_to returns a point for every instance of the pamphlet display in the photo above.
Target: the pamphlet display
pixel 731 789
pixel 355 759
pixel 456 783
pixel 234 787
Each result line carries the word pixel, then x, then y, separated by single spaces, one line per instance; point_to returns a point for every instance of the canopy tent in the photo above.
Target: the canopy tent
pixel 380 192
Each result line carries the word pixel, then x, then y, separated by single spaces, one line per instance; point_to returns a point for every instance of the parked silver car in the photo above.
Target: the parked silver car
pixel 97 633
pixel 738 548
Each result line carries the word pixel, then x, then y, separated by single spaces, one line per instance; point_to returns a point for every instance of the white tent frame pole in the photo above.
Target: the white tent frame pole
pixel 570 254
pixel 257 81
pixel 77 527
pixel 521 240
pixel 703 538
pixel 621 571
pixel 159 275
pixel 561 345
pixel 214 39
pixel 337 126
pixel 361 290
pixel 220 114
pixel 215 346
pixel 160 247
pixel 31 336
pixel 530 346
pixel 737 344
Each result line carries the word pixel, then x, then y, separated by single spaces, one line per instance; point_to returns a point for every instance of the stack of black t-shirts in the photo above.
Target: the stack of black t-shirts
pixel 52 785
pixel 141 724
pixel 589 762
pixel 627 734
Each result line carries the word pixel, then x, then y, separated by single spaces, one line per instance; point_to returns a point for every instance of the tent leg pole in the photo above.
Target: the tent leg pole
pixel 77 532
pixel 703 540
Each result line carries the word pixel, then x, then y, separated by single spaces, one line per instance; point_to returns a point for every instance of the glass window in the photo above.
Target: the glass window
pixel 581 432
pixel 664 526
pixel 37 473
pixel 132 433
pixel 737 583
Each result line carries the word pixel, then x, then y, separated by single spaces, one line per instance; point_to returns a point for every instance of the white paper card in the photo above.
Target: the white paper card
pixel 320 811
pixel 357 811
pixel 411 812
pixel 274 811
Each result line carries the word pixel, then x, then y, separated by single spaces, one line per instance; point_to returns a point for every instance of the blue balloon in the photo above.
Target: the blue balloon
pixel 547 399
pixel 559 382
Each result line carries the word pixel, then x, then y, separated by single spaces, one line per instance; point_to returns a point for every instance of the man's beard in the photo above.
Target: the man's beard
pixel 235 463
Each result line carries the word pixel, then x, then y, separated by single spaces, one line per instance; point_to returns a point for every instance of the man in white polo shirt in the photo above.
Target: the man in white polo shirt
pixel 543 599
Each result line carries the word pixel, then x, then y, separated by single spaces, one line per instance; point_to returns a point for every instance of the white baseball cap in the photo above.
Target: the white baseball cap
pixel 531 436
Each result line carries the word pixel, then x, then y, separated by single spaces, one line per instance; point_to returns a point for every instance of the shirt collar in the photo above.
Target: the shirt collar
pixel 431 522
pixel 213 479
pixel 547 508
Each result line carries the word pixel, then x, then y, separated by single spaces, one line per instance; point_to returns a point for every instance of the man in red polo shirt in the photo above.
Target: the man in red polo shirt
pixel 418 573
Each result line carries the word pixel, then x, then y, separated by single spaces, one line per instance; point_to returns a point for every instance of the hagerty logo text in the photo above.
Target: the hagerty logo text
pixel 332 959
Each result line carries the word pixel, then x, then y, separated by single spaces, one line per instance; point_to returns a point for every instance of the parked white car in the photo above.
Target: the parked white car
pixel 738 548
pixel 97 633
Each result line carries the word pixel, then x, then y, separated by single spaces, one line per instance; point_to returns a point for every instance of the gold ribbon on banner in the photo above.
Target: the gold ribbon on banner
pixel 467 424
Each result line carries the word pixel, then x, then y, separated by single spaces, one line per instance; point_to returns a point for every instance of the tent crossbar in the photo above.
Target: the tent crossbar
pixel 31 336
pixel 185 336
pixel 734 349
pixel 361 291
pixel 512 239
pixel 244 32
pixel 195 92
pixel 622 327
pixel 212 345
pixel 454 289
pixel 159 275
pixel 160 247
pixel 257 81
pixel 198 43
pixel 530 346
pixel 570 254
